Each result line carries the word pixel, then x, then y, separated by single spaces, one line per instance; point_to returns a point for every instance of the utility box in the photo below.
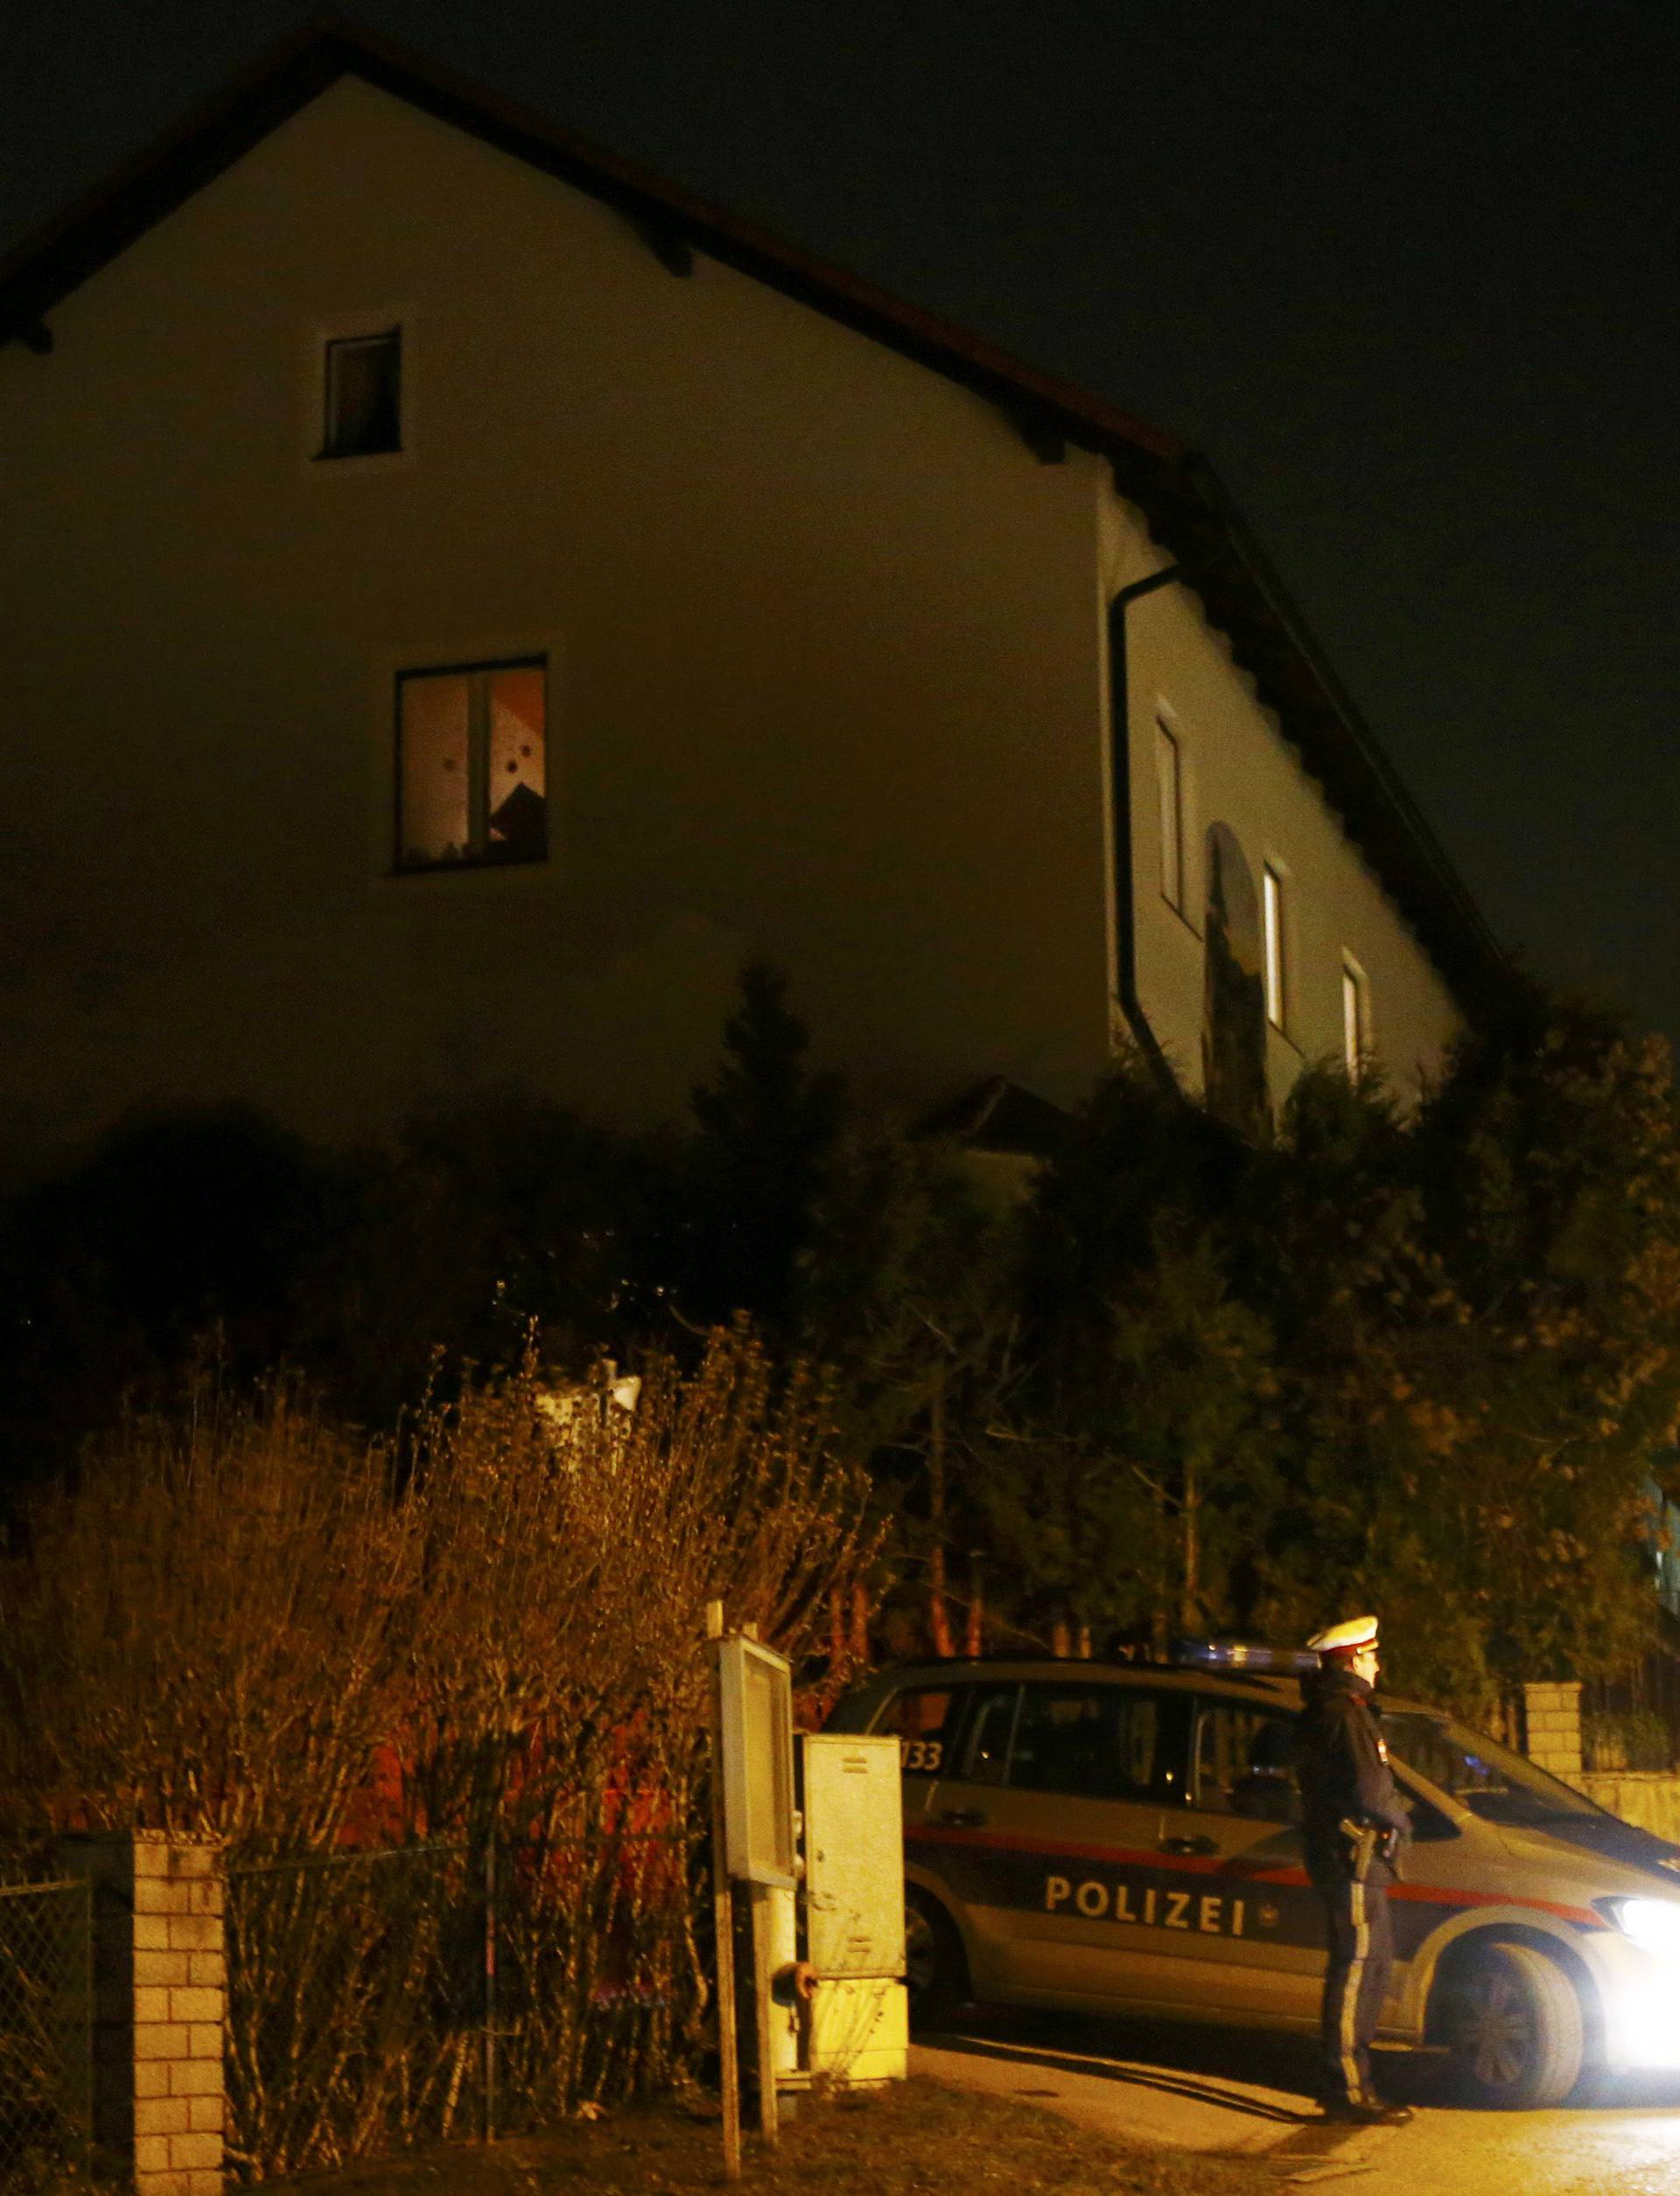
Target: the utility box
pixel 854 1856
pixel 854 1906
pixel 859 2030
pixel 756 1700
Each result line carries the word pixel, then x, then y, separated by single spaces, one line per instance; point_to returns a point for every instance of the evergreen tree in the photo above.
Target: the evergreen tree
pixel 909 1292
pixel 1478 1313
pixel 767 1129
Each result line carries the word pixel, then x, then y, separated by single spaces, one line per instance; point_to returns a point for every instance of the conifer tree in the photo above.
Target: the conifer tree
pixel 765 1132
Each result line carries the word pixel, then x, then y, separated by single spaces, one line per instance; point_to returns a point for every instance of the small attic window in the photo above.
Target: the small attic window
pixel 362 409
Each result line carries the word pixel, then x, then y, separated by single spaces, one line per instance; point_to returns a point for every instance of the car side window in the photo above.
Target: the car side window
pixel 1093 1742
pixel 1244 1763
pixel 1429 1825
pixel 984 1745
pixel 923 1720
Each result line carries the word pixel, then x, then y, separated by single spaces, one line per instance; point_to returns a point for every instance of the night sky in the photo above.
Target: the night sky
pixel 1407 274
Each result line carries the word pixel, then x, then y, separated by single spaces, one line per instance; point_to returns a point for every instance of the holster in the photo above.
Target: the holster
pixel 1366 1842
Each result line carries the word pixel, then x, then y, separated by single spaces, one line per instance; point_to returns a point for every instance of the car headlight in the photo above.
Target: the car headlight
pixel 1654 1924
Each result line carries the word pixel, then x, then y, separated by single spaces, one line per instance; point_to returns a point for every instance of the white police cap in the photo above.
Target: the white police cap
pixel 1345 1638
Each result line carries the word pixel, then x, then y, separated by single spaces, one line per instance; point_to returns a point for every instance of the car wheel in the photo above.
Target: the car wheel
pixel 1513 2026
pixel 935 1967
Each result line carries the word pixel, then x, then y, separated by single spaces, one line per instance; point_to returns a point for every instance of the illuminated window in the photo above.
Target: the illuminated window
pixel 1355 1019
pixel 362 396
pixel 471 765
pixel 1272 886
pixel 1168 785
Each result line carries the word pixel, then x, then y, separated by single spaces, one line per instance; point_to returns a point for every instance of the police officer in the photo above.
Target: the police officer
pixel 1354 1825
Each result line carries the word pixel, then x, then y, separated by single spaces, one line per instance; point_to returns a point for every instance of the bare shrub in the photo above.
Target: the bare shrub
pixel 243 1622
pixel 558 1685
pixel 566 1569
pixel 200 1637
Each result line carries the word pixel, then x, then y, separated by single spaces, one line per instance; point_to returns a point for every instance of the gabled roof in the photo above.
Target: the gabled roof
pixel 1001 1116
pixel 1187 511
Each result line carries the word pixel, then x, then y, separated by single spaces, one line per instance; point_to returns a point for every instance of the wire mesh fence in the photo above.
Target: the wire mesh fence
pixel 433 1993
pixel 46 2010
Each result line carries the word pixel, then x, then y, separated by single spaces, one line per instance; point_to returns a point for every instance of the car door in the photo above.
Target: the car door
pixel 1049 1829
pixel 952 1753
pixel 1254 1941
pixel 925 1720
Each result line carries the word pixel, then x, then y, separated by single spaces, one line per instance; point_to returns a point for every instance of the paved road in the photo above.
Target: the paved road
pixel 1223 2091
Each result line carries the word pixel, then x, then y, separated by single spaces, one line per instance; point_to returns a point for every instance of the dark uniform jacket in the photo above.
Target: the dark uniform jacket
pixel 1342 1766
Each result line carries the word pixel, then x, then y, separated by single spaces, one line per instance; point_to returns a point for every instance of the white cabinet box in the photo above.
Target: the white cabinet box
pixel 854 1906
pixel 860 2030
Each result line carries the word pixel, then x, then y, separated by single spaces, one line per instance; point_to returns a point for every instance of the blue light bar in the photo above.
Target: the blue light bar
pixel 1238 1654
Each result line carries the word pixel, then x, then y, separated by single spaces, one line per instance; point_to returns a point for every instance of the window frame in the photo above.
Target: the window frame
pixel 1274 902
pixel 1268 1711
pixel 1169 809
pixel 1135 1698
pixel 912 1747
pixel 329 452
pixel 1355 1019
pixel 471 668
pixel 1169 1746
pixel 316 461
pixel 980 1692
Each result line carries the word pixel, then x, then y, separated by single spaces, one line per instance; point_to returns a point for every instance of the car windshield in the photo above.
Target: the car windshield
pixel 1481 1774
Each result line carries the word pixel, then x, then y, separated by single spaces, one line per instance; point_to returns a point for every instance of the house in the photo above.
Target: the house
pixel 464 600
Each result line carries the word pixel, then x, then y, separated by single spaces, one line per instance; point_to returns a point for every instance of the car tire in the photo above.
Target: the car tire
pixel 1513 2024
pixel 936 1966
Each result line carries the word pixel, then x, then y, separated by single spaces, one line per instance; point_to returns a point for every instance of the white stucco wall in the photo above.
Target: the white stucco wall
pixel 827 680
pixel 1238 768
pixel 826 683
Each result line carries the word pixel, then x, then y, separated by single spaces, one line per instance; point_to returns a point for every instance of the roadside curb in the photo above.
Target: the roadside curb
pixel 1132 2099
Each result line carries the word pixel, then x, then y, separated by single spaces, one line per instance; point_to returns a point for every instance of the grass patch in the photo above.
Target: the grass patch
pixel 917 2139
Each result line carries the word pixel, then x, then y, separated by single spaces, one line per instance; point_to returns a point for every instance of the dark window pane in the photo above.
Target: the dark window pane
pixel 1244 1765
pixel 1489 1779
pixel 1097 1742
pixel 985 1745
pixel 1429 1825
pixel 364 395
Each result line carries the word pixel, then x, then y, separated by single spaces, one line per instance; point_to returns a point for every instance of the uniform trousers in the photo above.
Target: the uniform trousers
pixel 1355 1983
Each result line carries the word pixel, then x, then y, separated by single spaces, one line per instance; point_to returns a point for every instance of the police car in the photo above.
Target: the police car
pixel 1120 1838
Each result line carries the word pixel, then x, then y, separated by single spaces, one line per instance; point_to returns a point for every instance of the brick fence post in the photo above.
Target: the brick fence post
pixel 1552 1716
pixel 160 2004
